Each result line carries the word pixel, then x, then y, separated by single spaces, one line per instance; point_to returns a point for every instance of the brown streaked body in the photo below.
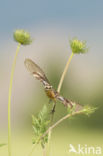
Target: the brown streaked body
pixel 50 93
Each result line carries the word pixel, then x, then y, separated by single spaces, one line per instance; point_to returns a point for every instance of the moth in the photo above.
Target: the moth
pixel 38 73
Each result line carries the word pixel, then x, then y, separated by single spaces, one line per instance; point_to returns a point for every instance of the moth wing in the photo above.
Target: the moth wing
pixel 34 69
pixel 63 100
pixel 68 102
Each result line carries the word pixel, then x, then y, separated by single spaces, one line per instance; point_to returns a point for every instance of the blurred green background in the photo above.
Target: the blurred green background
pixel 52 24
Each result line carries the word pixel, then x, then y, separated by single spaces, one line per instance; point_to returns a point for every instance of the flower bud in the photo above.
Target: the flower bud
pixel 78 46
pixel 87 110
pixel 22 37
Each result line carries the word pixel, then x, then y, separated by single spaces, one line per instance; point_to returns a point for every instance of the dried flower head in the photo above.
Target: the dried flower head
pixel 78 46
pixel 22 37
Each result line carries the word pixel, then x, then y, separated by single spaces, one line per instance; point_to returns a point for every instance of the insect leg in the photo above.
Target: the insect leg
pixel 53 111
pixel 53 108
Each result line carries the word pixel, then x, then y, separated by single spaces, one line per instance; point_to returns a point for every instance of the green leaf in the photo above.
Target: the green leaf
pixel 40 125
pixel 1 145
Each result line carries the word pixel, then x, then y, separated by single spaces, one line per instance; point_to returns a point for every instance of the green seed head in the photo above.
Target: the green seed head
pixel 78 46
pixel 22 37
pixel 87 110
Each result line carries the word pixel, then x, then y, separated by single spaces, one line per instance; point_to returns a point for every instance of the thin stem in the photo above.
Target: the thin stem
pixel 59 88
pixel 59 121
pixel 64 72
pixel 9 100
pixel 33 147
pixel 44 151
pixel 49 143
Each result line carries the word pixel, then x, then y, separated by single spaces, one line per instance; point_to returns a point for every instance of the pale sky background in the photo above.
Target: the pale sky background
pixel 68 17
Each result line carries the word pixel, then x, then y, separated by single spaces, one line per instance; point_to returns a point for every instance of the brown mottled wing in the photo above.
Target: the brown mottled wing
pixel 36 71
pixel 68 102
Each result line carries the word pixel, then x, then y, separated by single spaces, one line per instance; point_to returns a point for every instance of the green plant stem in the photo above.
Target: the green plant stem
pixel 58 90
pixel 44 151
pixel 61 120
pixel 49 143
pixel 33 147
pixel 9 100
pixel 64 72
